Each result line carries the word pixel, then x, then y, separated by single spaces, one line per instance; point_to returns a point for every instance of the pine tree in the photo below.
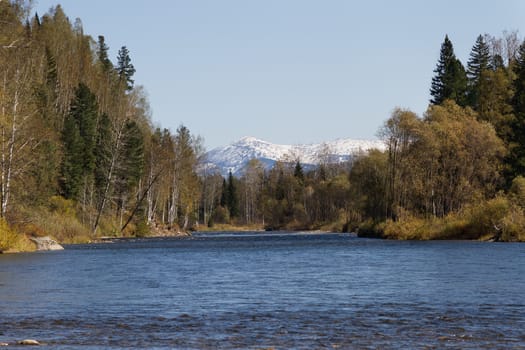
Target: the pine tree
pixel 133 155
pixel 224 194
pixel 298 172
pixel 125 69
pixel 72 169
pixel 79 137
pixel 102 54
pixel 478 64
pixel 517 146
pixel 450 81
pixel 103 153
pixel 232 201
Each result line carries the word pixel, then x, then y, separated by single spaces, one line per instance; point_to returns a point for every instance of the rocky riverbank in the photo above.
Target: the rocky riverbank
pixel 46 243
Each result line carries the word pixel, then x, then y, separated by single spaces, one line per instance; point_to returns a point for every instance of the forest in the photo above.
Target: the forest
pixel 81 158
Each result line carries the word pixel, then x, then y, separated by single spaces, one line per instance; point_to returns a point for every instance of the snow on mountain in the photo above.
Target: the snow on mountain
pixel 235 156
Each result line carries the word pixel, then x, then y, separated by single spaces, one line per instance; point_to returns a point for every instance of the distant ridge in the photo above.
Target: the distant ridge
pixel 235 156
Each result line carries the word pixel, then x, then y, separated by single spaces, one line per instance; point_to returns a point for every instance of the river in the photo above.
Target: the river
pixel 267 290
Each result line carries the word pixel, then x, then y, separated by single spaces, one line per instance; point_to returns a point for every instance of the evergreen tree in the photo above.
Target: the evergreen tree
pixel 298 172
pixel 232 200
pixel 517 146
pixel 125 69
pixel 450 81
pixel 79 137
pixel 224 194
pixel 72 169
pixel 133 155
pixel 103 152
pixel 478 64
pixel 102 54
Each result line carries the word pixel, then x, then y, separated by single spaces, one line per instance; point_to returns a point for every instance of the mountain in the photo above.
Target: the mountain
pixel 235 156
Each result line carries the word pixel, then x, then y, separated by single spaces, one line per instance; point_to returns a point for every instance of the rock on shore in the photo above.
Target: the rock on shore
pixel 46 243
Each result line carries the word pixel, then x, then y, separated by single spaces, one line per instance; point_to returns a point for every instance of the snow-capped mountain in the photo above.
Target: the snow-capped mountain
pixel 236 156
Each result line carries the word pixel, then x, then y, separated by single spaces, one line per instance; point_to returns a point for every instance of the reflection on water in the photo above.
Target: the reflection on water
pixel 239 291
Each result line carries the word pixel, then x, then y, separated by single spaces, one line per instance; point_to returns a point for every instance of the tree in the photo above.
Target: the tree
pixel 232 199
pixel 517 144
pixel 251 182
pixel 478 64
pixel 17 105
pixel 125 69
pixel 399 133
pixel 298 172
pixel 102 54
pixel 450 81
pixel 79 137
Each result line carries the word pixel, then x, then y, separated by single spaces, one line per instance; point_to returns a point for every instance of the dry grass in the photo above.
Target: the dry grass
pixel 498 218
pixel 10 241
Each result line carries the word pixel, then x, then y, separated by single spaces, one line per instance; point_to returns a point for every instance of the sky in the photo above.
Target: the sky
pixel 287 71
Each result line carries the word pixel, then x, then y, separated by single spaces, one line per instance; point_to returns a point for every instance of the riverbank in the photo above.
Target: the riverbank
pixel 472 226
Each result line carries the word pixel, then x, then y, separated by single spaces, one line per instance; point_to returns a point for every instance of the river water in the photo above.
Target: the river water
pixel 259 291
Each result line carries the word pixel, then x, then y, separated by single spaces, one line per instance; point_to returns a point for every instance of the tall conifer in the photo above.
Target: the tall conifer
pixel 125 69
pixel 79 136
pixel 477 65
pixel 517 151
pixel 450 81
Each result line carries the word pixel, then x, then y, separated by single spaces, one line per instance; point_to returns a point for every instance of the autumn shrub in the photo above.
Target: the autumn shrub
pixel 12 241
pixel 517 191
pixel 62 206
pixel 513 225
pixel 405 229
pixel 58 220
pixel 486 218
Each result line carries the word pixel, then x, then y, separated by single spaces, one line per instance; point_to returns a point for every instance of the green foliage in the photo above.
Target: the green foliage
pixel 102 54
pixel 72 170
pixel 450 80
pixel 79 138
pixel 298 172
pixel 125 69
pixel 517 140
pixel 478 64
pixel 132 162
pixel 142 229
pixel 232 199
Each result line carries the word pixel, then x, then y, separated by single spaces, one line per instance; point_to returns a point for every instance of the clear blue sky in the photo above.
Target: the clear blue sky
pixel 287 71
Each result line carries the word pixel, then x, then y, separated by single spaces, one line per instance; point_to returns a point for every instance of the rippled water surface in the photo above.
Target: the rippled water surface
pixel 258 291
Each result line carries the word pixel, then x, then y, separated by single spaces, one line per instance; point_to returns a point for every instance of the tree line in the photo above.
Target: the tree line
pixel 80 156
pixel 456 172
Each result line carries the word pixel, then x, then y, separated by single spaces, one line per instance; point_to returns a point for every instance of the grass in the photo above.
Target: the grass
pixel 498 219
pixel 11 241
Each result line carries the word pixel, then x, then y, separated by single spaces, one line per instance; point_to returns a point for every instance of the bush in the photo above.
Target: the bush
pixel 12 241
pixel 486 219
pixel 142 229
pixel 513 225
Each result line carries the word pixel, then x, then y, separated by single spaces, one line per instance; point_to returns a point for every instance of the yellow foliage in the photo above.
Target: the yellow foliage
pixel 62 206
pixel 11 241
pixel 496 218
